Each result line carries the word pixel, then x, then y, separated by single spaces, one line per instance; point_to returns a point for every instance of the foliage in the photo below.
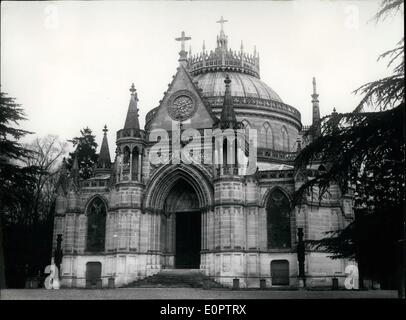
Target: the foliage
pixel 85 151
pixel 364 153
pixel 16 181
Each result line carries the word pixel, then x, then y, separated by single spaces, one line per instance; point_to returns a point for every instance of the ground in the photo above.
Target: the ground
pixel 186 293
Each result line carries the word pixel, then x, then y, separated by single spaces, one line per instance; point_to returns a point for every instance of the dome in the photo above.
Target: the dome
pixel 242 85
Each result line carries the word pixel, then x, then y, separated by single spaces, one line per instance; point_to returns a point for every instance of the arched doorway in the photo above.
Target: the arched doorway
pixel 183 193
pixel 182 205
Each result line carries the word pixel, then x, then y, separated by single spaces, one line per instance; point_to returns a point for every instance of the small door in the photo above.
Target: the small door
pixel 93 273
pixel 280 272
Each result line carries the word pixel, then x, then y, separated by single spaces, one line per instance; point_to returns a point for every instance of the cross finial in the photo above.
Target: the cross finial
pixel 105 129
pixel 222 21
pixel 182 40
pixel 132 89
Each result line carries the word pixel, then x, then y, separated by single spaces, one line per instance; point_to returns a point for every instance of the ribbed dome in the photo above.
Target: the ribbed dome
pixel 242 85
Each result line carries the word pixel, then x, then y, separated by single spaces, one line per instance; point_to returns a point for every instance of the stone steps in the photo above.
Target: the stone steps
pixel 176 278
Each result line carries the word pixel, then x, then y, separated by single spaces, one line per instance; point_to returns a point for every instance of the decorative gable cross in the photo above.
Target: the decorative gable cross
pixel 182 40
pixel 222 21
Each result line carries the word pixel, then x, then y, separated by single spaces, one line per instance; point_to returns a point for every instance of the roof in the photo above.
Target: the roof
pixel 131 121
pixel 243 85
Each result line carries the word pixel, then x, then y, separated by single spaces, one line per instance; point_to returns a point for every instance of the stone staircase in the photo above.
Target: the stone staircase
pixel 176 278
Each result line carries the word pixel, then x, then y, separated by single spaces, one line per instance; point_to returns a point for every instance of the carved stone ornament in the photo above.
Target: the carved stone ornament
pixel 181 106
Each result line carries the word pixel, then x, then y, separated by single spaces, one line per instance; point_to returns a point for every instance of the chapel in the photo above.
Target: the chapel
pixel 145 211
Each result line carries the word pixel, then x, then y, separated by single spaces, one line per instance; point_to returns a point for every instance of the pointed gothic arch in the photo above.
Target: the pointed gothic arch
pixel 285 139
pixel 269 137
pixel 126 155
pixel 247 127
pixel 278 216
pixel 163 179
pixel 96 211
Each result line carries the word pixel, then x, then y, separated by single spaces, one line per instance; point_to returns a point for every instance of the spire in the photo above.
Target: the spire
pixel 131 122
pixel 316 109
pixel 228 118
pixel 104 160
pixel 63 167
pixel 204 47
pixel 62 180
pixel 74 172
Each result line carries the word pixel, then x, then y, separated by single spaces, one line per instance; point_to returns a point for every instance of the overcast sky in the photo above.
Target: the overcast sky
pixel 70 64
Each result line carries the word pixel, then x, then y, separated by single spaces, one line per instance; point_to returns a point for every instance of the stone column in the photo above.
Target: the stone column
pixel 131 166
pixel 118 168
pixel 221 158
pixel 140 166
pixel 121 167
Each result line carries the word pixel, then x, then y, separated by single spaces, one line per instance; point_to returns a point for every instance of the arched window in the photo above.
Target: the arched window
pixel 96 225
pixel 247 127
pixel 278 220
pixel 285 139
pixel 126 157
pixel 230 149
pixel 268 136
pixel 135 163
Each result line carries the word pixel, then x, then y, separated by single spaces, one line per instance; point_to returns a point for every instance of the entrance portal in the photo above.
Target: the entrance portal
pixel 183 225
pixel 187 240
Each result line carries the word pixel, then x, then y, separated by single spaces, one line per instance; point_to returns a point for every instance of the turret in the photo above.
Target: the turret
pixel 227 148
pixel 130 144
pixel 221 59
pixel 228 118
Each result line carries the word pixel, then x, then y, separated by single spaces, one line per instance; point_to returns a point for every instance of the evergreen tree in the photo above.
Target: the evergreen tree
pixel 365 153
pixel 16 180
pixel 85 151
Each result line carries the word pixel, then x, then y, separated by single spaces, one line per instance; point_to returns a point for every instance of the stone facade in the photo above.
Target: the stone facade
pixel 134 218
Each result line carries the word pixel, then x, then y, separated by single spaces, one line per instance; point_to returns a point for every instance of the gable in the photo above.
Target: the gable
pixel 182 102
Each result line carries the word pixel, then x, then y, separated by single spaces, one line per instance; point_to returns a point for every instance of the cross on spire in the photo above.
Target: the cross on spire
pixel 105 129
pixel 182 40
pixel 132 89
pixel 222 21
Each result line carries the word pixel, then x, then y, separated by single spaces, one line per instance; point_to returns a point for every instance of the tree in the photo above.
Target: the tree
pixel 365 152
pixel 47 153
pixel 16 181
pixel 85 151
pixel 28 224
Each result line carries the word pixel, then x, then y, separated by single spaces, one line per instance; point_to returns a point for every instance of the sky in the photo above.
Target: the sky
pixel 70 64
